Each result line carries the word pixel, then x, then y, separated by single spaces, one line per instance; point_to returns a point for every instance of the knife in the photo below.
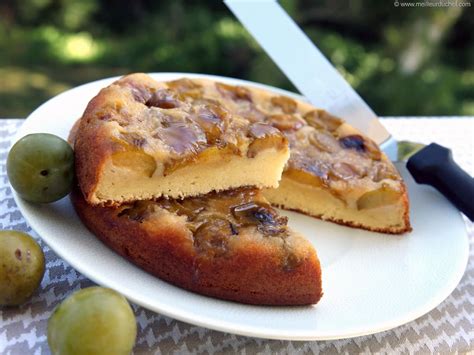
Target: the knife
pixel 315 77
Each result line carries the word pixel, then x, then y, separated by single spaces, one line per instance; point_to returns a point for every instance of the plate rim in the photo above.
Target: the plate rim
pixel 225 325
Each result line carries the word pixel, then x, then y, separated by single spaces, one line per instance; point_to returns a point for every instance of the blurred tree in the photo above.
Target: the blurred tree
pixel 403 61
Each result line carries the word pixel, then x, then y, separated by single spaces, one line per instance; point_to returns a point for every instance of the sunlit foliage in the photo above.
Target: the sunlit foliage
pixel 402 61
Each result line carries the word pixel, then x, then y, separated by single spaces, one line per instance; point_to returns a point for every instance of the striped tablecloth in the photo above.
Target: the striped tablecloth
pixel 446 329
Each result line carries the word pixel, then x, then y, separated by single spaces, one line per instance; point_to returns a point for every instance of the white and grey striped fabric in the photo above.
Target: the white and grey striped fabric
pixel 446 329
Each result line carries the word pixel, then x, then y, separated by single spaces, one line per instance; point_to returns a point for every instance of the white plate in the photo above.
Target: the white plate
pixel 372 282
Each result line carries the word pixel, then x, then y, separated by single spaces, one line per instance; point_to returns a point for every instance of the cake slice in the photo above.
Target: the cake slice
pixel 334 171
pixel 231 245
pixel 139 139
pixel 339 175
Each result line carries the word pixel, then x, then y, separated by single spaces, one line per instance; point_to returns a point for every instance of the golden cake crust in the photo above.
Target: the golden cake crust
pixel 254 266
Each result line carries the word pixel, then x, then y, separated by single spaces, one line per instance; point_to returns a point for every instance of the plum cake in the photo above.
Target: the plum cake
pixel 334 172
pixel 231 245
pixel 179 178
pixel 142 139
pixel 139 139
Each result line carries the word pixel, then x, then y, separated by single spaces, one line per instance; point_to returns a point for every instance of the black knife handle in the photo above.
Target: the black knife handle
pixel 434 165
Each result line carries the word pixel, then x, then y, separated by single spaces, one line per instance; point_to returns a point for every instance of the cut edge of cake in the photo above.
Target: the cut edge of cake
pixel 264 170
pixel 320 203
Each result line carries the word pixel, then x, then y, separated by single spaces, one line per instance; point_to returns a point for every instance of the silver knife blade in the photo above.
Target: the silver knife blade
pixel 306 67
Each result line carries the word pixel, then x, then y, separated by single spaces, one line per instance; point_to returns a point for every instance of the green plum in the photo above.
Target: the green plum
pixel 21 267
pixel 40 167
pixel 92 321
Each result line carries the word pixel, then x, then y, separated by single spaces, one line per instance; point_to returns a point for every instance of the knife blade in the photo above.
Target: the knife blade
pixel 305 66
pixel 315 78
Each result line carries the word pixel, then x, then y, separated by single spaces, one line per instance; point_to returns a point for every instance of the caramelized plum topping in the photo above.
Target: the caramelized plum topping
pixel 373 150
pixel 206 101
pixel 205 154
pixel 187 207
pixel 213 114
pixel 320 119
pixel 378 198
pixel 181 137
pixel 380 171
pixel 252 113
pixel 138 211
pixel 241 211
pixel 344 171
pixel 240 208
pixel 183 85
pixel 361 145
pixel 286 122
pixel 140 161
pixel 319 169
pixel 211 237
pixel 215 218
pixel 163 98
pixel 186 88
pixel 211 119
pixel 251 212
pixel 314 167
pixel 266 137
pixel 303 177
pixel 234 92
pixel 133 139
pixel 324 141
pixel 354 141
pixel 140 93
pixel 262 130
pixel 286 104
pixel 262 215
